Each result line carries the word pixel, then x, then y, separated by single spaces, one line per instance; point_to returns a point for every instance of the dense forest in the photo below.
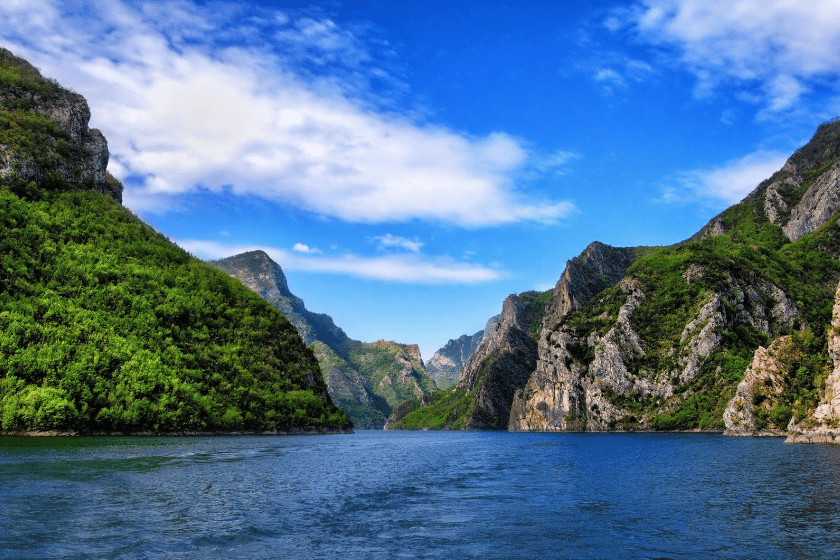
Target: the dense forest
pixel 106 326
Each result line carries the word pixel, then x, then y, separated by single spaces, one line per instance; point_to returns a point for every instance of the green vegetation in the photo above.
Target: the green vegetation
pixel 105 326
pixel 677 281
pixel 536 302
pixel 377 360
pixel 448 410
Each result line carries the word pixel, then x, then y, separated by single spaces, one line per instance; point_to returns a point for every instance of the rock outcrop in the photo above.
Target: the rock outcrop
pixel 445 366
pixel 823 426
pixel 751 410
pixel 64 143
pixel 803 195
pixel 501 365
pixel 597 267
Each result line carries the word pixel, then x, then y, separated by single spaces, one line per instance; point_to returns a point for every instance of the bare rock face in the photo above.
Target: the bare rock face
pixel 501 365
pixel 597 267
pixel 804 194
pixel 445 366
pixel 579 375
pixel 823 426
pixel 749 413
pixel 80 155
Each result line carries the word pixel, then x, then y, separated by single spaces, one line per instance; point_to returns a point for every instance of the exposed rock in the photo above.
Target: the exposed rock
pixel 749 411
pixel 816 168
pixel 261 274
pixel 823 425
pixel 83 158
pixel 576 375
pixel 502 364
pixel 445 366
pixel 597 267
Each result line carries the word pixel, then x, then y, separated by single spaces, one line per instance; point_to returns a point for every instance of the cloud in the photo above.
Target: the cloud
pixel 388 241
pixel 727 184
pixel 405 268
pixel 279 108
pixel 301 248
pixel 785 47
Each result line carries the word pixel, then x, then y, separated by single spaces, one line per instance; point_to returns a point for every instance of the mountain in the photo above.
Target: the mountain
pixel 366 380
pixel 445 366
pixel 506 358
pixel 663 340
pixel 105 325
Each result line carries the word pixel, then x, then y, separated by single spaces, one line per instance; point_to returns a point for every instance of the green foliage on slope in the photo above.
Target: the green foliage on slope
pixel 106 326
pixel 752 250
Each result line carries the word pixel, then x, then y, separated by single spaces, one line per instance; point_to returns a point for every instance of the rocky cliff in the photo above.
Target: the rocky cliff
pixel 802 196
pixel 366 380
pixel 445 366
pixel 44 137
pixel 507 357
pixel 661 338
pixel 823 424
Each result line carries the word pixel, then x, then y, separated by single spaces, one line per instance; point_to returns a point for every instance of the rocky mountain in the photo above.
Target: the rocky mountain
pixel 106 326
pixel 664 337
pixel 503 363
pixel 45 137
pixel 366 380
pixel 445 366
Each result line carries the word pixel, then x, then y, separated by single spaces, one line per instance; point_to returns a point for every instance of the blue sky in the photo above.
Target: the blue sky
pixel 410 164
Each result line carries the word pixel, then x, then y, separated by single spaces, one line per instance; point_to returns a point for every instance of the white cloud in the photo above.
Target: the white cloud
pixel 388 241
pixel 783 46
pixel 301 248
pixel 405 268
pixel 289 125
pixel 726 184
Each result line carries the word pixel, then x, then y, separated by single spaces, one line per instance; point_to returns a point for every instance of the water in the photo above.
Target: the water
pixel 419 495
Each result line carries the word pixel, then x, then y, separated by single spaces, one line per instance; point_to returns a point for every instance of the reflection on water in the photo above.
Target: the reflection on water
pixel 419 495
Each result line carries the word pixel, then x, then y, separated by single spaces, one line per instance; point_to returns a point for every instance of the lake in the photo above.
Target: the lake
pixel 436 495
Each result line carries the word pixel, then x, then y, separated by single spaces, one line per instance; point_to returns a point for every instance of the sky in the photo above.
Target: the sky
pixel 411 164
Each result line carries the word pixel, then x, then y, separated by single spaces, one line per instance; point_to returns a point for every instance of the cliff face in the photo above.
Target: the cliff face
pixel 755 409
pixel 502 364
pixel 55 123
pixel 366 380
pixel 597 267
pixel 823 424
pixel 508 355
pixel 445 366
pixel 803 195
pixel 257 271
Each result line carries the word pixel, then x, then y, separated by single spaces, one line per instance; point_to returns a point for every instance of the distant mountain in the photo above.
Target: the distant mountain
pixel 366 380
pixel 106 326
pixel 731 328
pixel 445 366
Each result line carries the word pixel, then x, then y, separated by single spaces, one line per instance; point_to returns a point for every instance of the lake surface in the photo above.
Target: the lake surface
pixel 419 495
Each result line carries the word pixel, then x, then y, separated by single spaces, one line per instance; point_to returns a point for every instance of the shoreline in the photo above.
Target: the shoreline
pixel 183 433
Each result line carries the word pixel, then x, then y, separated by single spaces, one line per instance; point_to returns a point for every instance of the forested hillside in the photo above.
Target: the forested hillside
pixel 105 325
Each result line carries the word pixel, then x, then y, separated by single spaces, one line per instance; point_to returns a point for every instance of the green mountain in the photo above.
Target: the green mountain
pixel 664 337
pixel 366 380
pixel 105 325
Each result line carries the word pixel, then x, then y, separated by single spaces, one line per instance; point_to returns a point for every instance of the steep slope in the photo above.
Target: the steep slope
pixel 817 424
pixel 666 348
pixel 445 366
pixel 105 326
pixel 508 355
pixel 366 380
